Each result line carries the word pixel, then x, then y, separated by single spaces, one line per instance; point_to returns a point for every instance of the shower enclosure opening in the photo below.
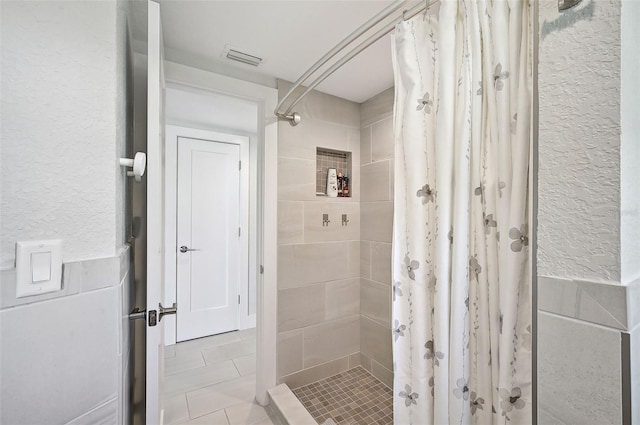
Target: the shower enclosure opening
pixel 418 311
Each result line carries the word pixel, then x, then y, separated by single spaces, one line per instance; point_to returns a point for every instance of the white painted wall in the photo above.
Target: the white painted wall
pixel 267 140
pixel 64 123
pixel 60 114
pixel 208 110
pixel 630 143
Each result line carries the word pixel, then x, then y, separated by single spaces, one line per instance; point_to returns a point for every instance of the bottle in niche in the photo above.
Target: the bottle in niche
pixel 345 185
pixel 340 185
pixel 332 183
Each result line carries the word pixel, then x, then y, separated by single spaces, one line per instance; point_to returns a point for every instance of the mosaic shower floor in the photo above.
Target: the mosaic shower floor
pixel 353 397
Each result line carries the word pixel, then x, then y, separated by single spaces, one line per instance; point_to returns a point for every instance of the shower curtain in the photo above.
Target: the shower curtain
pixel 461 291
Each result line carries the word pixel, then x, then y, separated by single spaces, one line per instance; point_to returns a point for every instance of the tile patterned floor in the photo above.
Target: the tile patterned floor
pixel 211 381
pixel 354 397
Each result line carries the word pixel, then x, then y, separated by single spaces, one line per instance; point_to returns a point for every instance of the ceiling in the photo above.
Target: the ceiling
pixel 289 35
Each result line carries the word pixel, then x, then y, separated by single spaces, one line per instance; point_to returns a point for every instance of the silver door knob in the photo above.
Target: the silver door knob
pixel 184 248
pixel 164 311
pixel 136 313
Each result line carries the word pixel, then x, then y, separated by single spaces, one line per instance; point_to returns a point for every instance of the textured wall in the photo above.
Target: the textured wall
pixel 60 89
pixel 630 149
pixel 65 121
pixel 579 144
pixel 124 125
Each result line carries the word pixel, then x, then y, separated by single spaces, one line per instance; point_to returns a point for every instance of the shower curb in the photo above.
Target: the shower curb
pixel 287 406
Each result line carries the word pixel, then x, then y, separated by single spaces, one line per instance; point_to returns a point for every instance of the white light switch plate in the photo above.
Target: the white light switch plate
pixel 38 267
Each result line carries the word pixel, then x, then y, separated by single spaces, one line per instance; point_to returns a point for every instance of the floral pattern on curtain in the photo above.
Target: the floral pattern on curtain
pixel 461 290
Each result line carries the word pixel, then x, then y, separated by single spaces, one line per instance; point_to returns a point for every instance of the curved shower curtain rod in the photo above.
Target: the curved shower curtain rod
pixel 294 118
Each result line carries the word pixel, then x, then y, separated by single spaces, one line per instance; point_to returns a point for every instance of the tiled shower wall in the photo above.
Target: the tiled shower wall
pixel 376 215
pixel 318 266
pixel 334 281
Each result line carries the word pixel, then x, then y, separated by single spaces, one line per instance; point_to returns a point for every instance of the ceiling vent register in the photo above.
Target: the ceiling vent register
pixel 243 57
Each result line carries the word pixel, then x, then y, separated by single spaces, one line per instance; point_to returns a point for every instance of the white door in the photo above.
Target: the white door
pixel 155 216
pixel 208 237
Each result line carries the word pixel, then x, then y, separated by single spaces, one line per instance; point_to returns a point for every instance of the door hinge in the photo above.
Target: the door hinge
pixel 239 165
pixel 238 299
pixel 239 231
pixel 261 269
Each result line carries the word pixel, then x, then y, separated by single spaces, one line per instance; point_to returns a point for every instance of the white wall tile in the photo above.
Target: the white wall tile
pixel 62 353
pixel 71 273
pixel 601 303
pixel 611 297
pixel 579 371
pixel 546 418
pixel 99 273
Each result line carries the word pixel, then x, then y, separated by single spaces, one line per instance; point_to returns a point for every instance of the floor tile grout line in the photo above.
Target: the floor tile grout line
pixel 201 351
pixel 236 366
pixel 188 408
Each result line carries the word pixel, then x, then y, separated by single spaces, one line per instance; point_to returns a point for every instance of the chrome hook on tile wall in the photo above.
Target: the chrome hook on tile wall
pixel 345 220
pixel 325 220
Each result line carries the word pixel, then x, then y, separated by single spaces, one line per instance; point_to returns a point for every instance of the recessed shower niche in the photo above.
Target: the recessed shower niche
pixel 341 162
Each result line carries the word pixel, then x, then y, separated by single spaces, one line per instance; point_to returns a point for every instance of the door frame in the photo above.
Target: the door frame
pixel 173 132
pixel 265 99
pixel 154 335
